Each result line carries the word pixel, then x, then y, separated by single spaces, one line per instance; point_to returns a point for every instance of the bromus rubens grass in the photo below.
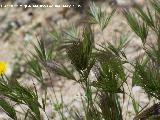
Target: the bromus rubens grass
pixel 73 54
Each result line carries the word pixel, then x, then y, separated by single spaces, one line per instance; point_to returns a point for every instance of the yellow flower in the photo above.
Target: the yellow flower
pixel 3 68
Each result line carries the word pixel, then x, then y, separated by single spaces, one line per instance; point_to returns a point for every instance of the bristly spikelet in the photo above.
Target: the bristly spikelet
pixel 80 51
pixel 53 66
pixel 75 54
